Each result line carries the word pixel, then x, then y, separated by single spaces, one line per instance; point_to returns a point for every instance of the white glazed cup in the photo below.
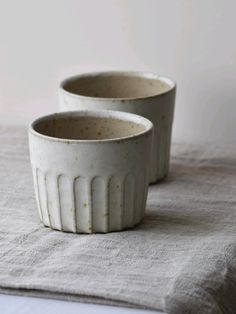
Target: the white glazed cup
pixel 145 94
pixel 90 169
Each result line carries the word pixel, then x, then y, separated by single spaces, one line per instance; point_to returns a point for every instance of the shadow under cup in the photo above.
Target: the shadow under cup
pixel 91 169
pixel 145 94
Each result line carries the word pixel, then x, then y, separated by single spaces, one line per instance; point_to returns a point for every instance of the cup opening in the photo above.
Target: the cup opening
pixel 74 127
pixel 117 85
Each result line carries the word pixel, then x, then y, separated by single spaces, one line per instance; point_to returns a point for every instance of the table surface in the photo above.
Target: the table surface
pixel 26 305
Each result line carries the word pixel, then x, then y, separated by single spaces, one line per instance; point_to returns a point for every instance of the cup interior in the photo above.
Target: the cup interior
pixel 117 85
pixel 74 127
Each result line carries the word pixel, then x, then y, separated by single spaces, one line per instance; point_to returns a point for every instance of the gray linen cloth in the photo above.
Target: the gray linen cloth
pixel 181 259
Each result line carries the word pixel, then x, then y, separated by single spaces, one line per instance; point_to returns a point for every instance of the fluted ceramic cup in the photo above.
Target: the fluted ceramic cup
pixel 90 169
pixel 145 94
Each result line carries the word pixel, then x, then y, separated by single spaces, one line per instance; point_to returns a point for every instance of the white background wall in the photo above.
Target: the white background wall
pixel 192 41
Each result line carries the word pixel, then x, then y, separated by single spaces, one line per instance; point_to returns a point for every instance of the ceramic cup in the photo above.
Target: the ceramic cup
pixel 90 169
pixel 145 94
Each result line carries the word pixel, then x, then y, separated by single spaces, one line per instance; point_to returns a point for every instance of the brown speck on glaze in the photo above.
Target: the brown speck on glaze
pixel 76 183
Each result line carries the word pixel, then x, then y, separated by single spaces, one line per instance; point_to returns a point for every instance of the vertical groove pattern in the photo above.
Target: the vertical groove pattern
pixel 99 204
pixel 36 187
pixel 115 188
pixel 139 196
pixel 90 222
pixel 129 190
pixel 82 204
pixel 72 195
pixel 52 201
pixel 65 186
pixel 144 193
pixel 59 203
pixel 85 205
pixel 46 200
pixel 43 197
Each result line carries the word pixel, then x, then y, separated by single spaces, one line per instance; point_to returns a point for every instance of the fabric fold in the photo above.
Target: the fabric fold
pixel 180 259
pixel 206 283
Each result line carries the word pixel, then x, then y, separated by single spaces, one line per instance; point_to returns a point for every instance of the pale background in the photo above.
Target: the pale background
pixel 192 41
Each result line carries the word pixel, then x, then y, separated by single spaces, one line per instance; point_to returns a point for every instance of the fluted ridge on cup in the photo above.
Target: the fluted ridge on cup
pixel 88 205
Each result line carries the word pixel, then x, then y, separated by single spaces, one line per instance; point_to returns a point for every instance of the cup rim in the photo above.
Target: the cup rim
pixel 142 74
pixel 118 115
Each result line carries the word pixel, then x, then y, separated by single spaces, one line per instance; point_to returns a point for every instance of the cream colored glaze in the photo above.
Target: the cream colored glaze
pixel 113 85
pixel 86 182
pixel 87 128
pixel 145 94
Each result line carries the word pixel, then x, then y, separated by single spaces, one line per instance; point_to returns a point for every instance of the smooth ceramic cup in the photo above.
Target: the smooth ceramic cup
pixel 90 169
pixel 145 94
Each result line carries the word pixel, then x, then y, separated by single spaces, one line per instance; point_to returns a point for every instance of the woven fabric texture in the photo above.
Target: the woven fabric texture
pixel 180 259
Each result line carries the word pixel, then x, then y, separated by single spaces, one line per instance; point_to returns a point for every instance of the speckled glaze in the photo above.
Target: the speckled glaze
pixel 90 169
pixel 145 94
